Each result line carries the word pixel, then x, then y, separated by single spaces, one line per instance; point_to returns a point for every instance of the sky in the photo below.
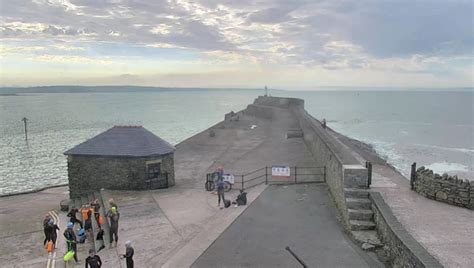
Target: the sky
pixel 286 44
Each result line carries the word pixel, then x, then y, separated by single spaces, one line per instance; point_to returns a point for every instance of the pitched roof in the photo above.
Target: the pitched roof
pixel 123 141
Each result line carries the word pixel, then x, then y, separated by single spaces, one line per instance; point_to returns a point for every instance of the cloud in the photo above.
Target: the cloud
pixel 397 35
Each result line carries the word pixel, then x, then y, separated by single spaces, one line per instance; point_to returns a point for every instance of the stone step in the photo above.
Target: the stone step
pixel 357 225
pixel 369 238
pixel 358 203
pixel 356 193
pixel 360 214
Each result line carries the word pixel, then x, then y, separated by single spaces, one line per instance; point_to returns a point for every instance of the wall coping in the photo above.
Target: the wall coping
pixel 415 248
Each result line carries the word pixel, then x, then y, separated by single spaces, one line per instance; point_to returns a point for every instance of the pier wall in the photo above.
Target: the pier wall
pixel 444 188
pixel 343 169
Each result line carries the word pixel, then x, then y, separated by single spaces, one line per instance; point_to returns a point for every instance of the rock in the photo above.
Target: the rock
pixel 441 195
pixel 368 247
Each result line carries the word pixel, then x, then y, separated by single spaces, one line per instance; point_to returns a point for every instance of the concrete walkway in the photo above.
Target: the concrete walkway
pixel 445 231
pixel 300 216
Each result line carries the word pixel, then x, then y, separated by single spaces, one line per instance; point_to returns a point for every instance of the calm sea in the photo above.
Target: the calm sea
pixel 432 128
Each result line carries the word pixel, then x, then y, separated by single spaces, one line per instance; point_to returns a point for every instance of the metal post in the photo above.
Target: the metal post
pixel 242 182
pixel 266 176
pixel 26 130
pixel 167 181
pixel 296 182
pixel 369 175
pixel 324 173
pixel 413 175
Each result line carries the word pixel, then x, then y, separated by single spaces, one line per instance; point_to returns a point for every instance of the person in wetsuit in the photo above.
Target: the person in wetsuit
pixel 93 261
pixel 71 240
pixel 129 251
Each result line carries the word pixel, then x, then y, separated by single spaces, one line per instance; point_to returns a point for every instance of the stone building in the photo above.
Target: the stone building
pixel 121 158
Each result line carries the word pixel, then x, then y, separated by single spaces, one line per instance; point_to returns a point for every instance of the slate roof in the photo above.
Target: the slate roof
pixel 133 141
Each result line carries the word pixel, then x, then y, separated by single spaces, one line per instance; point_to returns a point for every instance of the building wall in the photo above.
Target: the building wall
pixel 445 188
pixel 90 173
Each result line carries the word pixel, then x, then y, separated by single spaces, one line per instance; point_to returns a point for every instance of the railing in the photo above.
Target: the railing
pixel 413 176
pixel 263 175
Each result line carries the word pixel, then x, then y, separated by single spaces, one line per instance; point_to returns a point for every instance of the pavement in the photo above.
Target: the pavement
pixel 445 231
pixel 300 216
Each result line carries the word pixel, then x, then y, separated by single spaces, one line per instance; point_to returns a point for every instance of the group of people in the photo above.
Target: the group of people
pixel 86 230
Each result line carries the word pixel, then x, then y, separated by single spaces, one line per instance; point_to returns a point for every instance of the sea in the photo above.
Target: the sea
pixel 434 128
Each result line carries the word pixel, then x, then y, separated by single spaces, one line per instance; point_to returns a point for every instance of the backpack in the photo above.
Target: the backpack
pixel 81 232
pixel 226 203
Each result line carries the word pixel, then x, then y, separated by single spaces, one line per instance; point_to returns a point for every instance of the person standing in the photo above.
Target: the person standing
pixel 93 261
pixel 54 233
pixel 96 206
pixel 71 240
pixel 88 226
pixel 220 192
pixel 46 229
pixel 114 217
pixel 129 251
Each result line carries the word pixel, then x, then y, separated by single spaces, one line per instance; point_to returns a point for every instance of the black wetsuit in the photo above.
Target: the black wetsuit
pixel 73 218
pixel 114 218
pixel 96 207
pixel 93 262
pixel 47 228
pixel 54 233
pixel 129 257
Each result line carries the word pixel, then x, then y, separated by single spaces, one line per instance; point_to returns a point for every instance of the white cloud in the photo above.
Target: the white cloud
pixel 391 36
pixel 162 28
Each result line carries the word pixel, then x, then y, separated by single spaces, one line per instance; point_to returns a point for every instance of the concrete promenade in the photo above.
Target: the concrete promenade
pixel 300 216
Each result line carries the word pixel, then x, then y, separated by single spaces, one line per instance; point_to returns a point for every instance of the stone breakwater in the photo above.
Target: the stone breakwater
pixel 444 188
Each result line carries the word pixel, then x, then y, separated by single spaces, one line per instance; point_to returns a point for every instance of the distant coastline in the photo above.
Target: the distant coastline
pixel 8 94
pixel 105 89
pixel 13 91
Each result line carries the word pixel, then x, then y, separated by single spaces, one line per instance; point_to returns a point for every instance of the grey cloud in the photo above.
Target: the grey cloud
pixel 382 29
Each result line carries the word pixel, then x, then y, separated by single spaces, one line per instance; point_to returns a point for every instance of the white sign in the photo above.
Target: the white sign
pixel 280 171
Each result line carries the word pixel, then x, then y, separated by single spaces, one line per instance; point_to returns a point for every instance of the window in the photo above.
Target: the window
pixel 154 170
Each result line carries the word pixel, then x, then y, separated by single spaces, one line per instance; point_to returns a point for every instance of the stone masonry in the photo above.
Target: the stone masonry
pixel 91 173
pixel 444 188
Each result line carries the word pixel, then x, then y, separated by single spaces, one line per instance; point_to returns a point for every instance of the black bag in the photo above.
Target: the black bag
pixel 226 203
